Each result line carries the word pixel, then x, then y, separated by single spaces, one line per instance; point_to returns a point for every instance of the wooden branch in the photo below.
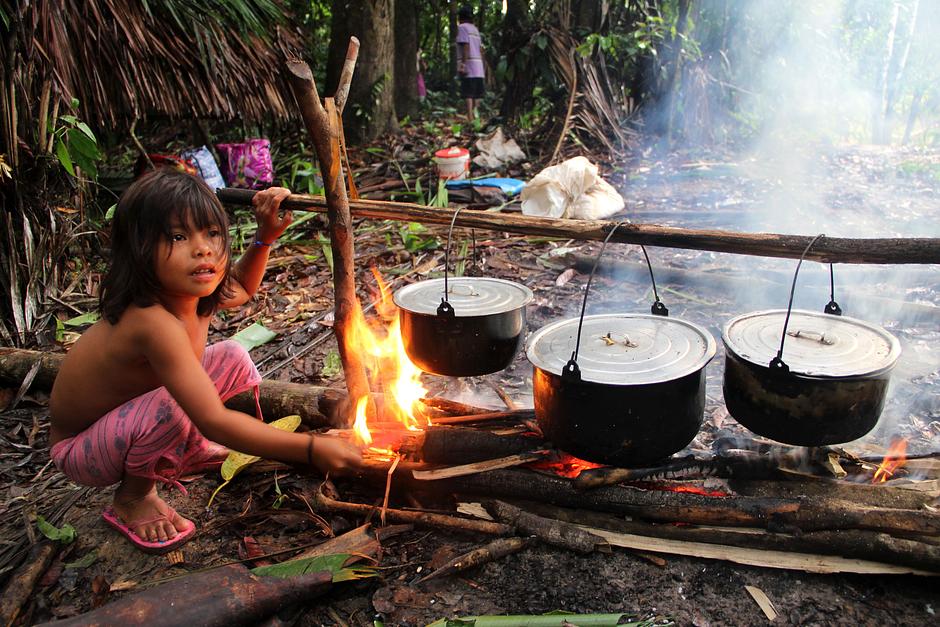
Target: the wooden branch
pixel 345 77
pixel 517 415
pixel 827 249
pixel 419 519
pixel 554 532
pixel 323 126
pixel 477 557
pixel 21 585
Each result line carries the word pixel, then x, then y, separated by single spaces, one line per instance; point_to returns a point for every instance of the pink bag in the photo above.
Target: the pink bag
pixel 247 164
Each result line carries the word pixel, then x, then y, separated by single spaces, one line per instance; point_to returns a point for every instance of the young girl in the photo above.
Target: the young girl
pixel 139 398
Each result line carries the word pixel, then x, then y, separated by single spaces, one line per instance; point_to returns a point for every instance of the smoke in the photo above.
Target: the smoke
pixel 807 79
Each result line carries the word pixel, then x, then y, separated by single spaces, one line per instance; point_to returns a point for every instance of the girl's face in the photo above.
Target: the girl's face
pixel 191 261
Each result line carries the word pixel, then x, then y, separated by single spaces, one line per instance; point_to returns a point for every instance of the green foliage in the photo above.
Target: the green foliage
pixel 332 365
pixel 333 564
pixel 76 145
pixel 65 534
pixel 254 336
pixel 415 239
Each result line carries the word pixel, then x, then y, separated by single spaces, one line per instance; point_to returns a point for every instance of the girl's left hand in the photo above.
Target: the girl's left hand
pixel 271 222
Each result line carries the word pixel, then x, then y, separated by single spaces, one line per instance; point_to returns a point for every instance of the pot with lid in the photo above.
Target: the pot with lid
pixel 806 378
pixel 462 326
pixel 623 389
pixel 834 385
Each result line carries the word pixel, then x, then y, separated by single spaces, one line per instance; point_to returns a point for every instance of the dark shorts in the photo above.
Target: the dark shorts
pixel 471 87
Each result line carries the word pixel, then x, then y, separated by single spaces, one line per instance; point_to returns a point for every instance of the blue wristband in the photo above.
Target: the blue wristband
pixel 258 242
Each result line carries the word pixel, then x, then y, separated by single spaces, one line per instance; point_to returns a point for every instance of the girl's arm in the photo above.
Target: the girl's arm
pixel 167 347
pixel 248 271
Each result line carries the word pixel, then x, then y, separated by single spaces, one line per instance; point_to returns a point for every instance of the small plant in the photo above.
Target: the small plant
pixel 413 238
pixel 76 145
pixel 439 199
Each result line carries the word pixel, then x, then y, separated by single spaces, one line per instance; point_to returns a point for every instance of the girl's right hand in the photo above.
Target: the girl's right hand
pixel 336 455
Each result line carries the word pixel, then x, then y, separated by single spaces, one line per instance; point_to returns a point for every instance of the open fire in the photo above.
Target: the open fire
pixel 390 373
pixel 894 459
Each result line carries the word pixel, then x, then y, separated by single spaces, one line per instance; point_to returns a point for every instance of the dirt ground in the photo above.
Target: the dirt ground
pixel 864 192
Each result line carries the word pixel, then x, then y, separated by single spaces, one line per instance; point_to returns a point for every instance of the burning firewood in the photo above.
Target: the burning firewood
pixel 461 445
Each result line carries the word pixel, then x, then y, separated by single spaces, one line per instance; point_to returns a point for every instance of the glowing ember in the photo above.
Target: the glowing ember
pixel 564 465
pixel 390 372
pixel 895 458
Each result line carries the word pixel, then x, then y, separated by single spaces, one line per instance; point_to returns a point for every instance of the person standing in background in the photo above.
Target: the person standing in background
pixel 469 60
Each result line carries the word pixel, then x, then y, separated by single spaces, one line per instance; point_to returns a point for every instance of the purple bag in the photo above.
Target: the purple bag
pixel 247 164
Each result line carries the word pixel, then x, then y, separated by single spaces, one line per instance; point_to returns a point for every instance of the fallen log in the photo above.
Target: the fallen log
pixel 667 506
pixel 551 531
pixel 851 543
pixel 277 398
pixel 419 519
pixel 220 597
pixel 827 249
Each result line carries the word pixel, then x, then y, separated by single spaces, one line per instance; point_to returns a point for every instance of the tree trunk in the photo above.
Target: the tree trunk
pixel 406 56
pixel 514 37
pixel 370 110
pixel 879 134
pixel 895 83
pixel 675 77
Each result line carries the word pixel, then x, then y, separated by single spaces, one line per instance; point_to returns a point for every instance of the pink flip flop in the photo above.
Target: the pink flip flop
pixel 157 547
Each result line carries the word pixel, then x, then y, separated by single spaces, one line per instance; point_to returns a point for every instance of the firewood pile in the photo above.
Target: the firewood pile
pixel 751 502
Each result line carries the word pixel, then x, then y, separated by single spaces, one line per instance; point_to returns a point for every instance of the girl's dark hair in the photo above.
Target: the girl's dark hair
pixel 142 220
pixel 465 13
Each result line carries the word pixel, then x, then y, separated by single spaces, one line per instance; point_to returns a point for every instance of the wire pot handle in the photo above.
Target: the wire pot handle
pixel 832 307
pixel 445 308
pixel 571 370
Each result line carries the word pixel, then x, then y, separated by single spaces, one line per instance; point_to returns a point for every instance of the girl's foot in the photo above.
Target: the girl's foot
pixel 149 517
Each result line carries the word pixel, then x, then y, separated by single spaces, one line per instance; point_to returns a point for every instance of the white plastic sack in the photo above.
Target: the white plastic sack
pixel 571 189
pixel 207 166
pixel 495 151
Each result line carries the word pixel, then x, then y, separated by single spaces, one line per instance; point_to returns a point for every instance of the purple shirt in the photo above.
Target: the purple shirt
pixel 468 34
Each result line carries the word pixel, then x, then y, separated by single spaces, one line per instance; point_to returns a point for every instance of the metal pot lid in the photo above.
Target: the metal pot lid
pixel 469 296
pixel 817 345
pixel 623 349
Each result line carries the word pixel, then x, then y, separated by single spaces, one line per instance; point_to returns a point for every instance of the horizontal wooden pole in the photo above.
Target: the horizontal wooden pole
pixel 889 250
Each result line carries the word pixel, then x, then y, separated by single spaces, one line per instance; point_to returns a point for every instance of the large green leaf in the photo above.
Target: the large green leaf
pixel 65 535
pixel 331 563
pixel 254 336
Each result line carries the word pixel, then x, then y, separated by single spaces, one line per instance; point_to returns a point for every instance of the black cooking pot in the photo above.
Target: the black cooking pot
pixel 832 385
pixel 637 394
pixel 478 332
pixel 832 388
pixel 621 389
pixel 463 326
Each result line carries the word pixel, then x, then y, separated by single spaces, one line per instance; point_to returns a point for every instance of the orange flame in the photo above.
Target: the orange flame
pixel 894 459
pixel 390 371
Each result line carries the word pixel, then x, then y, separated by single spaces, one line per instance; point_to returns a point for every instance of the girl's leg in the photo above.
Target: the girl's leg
pixel 151 439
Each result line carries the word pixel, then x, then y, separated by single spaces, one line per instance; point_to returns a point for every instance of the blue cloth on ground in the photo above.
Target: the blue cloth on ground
pixel 510 187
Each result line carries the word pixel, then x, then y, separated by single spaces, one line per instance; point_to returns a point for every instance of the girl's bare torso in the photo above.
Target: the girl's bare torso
pixel 108 367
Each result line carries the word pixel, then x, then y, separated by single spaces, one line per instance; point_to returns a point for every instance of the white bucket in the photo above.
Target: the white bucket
pixel 452 163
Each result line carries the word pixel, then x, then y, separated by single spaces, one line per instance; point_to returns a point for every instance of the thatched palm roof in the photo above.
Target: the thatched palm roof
pixel 125 59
